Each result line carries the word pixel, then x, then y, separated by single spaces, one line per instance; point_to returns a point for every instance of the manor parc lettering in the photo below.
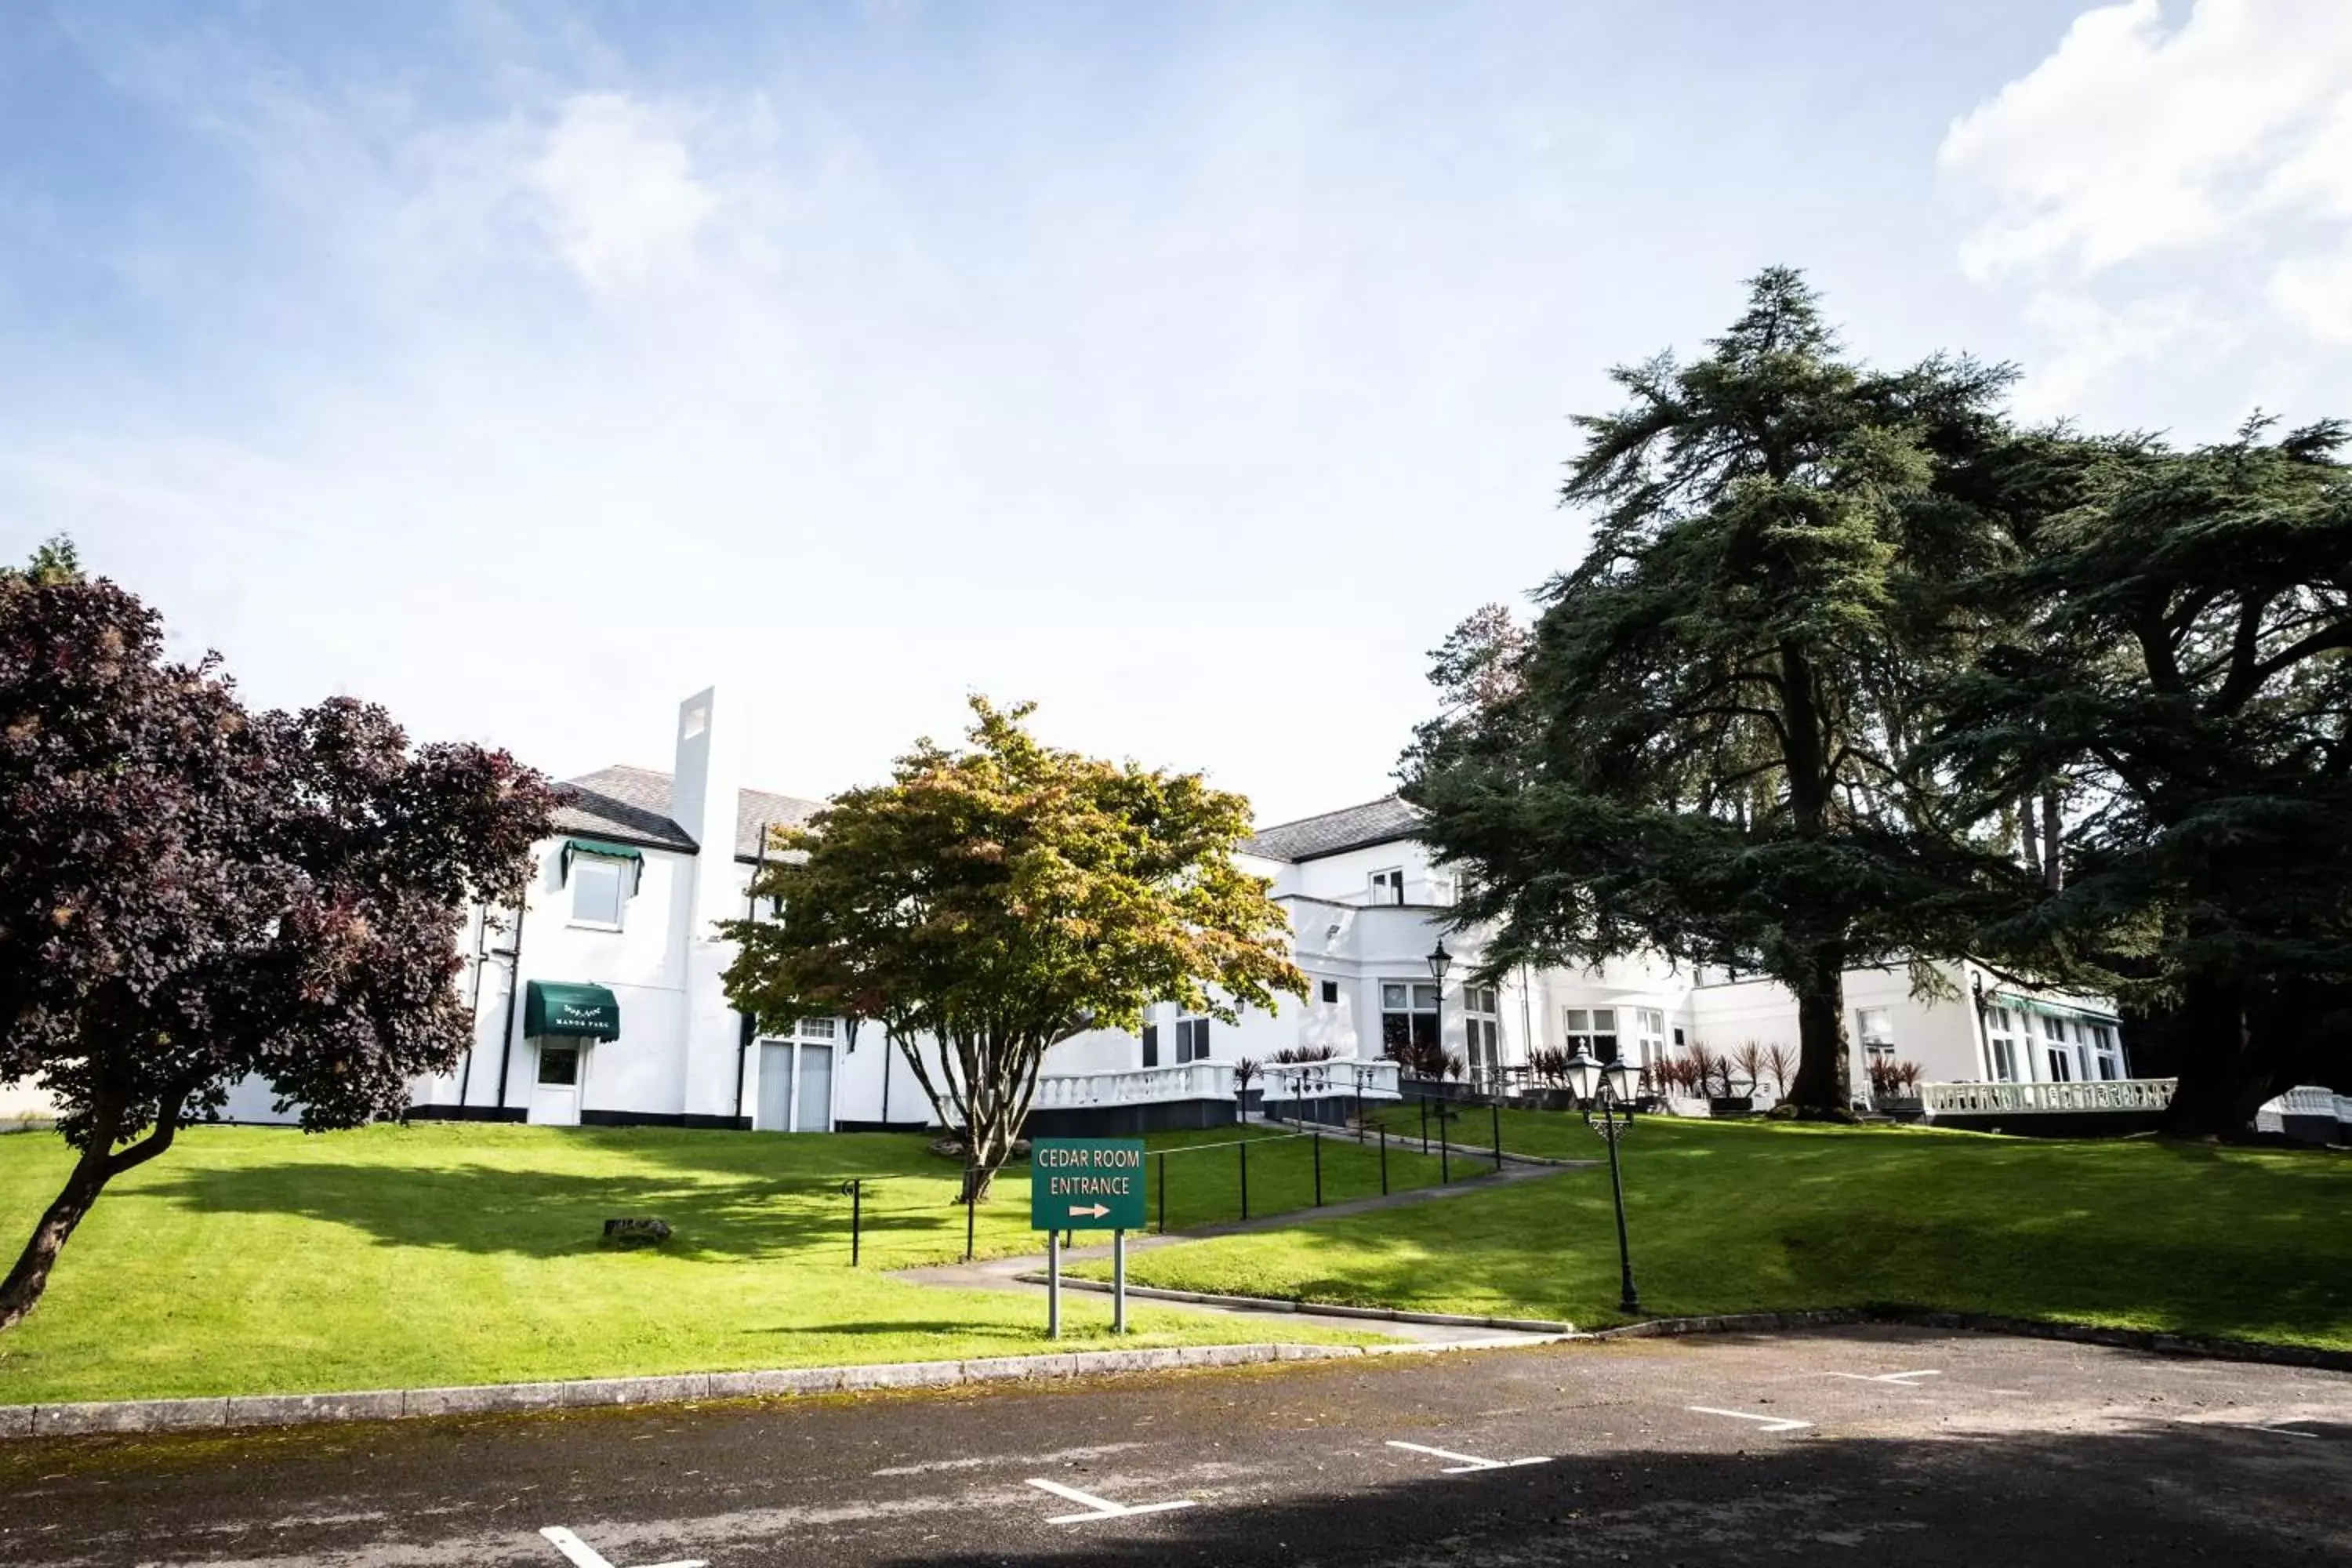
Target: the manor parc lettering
pixel 1086 1183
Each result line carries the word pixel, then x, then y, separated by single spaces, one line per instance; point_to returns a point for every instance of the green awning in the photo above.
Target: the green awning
pixel 558 1007
pixel 612 852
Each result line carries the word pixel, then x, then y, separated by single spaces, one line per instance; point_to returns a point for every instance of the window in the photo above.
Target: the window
pixel 1678 1037
pixel 2005 1044
pixel 1331 991
pixel 596 891
pixel 1441 887
pixel 2105 1052
pixel 2058 1051
pixel 1480 1035
pixel 1408 1017
pixel 1878 1033
pixel 1151 1045
pixel 1191 1039
pixel 1388 887
pixel 817 1029
pixel 1649 1035
pixel 1592 1029
pixel 559 1065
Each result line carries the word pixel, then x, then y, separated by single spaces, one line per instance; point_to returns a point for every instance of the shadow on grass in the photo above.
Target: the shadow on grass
pixel 541 1214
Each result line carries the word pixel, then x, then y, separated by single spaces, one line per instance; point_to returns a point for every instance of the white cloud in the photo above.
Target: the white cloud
pixel 622 199
pixel 2167 186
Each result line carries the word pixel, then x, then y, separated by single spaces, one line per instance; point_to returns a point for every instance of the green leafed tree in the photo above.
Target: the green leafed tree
pixel 1708 745
pixel 999 897
pixel 2180 676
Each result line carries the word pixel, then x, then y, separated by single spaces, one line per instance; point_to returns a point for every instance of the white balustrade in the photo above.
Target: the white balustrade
pixel 2034 1099
pixel 1210 1080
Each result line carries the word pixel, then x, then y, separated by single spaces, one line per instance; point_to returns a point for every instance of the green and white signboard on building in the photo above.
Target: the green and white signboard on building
pixel 1086 1183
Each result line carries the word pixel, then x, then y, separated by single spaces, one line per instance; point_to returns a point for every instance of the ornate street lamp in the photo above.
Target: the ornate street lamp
pixel 1608 1089
pixel 1440 961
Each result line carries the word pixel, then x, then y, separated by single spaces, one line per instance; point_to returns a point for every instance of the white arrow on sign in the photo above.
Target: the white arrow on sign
pixel 1096 1212
pixel 1769 1423
pixel 583 1555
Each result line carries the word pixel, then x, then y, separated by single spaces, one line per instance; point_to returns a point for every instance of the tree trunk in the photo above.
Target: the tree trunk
pixel 2208 1038
pixel 1824 1080
pixel 2053 871
pixel 22 1290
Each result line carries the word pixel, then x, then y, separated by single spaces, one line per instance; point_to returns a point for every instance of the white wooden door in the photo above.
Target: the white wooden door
pixel 556 1081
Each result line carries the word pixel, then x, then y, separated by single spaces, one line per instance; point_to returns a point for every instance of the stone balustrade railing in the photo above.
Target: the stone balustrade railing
pixel 1214 1080
pixel 2033 1098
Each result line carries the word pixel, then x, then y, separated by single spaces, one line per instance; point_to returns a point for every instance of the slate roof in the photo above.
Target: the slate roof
pixel 1381 821
pixel 633 803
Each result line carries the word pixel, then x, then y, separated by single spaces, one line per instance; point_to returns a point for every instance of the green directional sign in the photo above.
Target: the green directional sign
pixel 1086 1183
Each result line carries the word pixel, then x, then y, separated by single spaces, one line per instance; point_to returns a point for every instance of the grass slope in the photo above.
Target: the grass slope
pixel 1731 1218
pixel 259 1260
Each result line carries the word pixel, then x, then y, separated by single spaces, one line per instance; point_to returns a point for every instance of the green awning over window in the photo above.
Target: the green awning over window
pixel 636 857
pixel 560 1008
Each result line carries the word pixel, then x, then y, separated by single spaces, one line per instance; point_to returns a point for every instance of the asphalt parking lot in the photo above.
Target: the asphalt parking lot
pixel 1861 1445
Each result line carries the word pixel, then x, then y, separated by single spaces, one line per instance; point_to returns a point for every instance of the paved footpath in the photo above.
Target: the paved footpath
pixel 1862 1445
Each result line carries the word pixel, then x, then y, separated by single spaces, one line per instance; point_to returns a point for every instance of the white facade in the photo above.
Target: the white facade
pixel 624 900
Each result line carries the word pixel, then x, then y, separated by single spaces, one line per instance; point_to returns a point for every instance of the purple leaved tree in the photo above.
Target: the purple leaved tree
pixel 191 892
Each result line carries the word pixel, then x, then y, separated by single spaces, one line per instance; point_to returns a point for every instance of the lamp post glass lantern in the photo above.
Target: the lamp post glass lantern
pixel 1609 1090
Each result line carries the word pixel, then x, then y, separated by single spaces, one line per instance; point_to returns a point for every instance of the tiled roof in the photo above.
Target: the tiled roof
pixel 1382 821
pixel 634 804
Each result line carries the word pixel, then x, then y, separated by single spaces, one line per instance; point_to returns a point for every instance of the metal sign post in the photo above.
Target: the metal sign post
pixel 1086 1184
pixel 1054 1286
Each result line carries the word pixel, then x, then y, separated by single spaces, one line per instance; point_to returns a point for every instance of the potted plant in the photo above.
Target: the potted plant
pixel 1244 1072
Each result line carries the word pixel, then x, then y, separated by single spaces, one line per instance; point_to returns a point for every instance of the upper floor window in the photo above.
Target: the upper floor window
pixel 1191 1039
pixel 1330 991
pixel 598 891
pixel 2059 1053
pixel 1388 887
pixel 1594 1030
pixel 1441 887
pixel 817 1029
pixel 1151 1045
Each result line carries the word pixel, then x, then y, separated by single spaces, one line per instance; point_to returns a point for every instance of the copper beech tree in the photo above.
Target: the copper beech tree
pixel 1001 898
pixel 192 892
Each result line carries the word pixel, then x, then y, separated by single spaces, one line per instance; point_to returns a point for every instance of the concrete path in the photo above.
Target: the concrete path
pixel 1005 1273
pixel 1860 1445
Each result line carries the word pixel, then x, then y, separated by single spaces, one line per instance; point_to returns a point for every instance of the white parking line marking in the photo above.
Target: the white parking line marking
pixel 583 1555
pixel 1464 1462
pixel 1099 1508
pixel 1901 1379
pixel 1769 1422
pixel 2286 1429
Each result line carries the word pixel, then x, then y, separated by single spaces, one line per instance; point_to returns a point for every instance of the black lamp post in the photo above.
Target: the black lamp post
pixel 1440 961
pixel 1608 1090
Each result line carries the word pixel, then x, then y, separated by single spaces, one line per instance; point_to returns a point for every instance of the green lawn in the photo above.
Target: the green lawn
pixel 1200 1173
pixel 260 1260
pixel 1729 1218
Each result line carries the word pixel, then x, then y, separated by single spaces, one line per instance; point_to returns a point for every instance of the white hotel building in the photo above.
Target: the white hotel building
pixel 602 1004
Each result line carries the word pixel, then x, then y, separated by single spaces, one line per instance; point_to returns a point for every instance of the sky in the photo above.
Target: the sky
pixel 1188 369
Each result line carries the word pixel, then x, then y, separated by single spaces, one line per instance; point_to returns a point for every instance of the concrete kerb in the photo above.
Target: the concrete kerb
pixel 1316 1309
pixel 151 1416
pixel 148 1416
